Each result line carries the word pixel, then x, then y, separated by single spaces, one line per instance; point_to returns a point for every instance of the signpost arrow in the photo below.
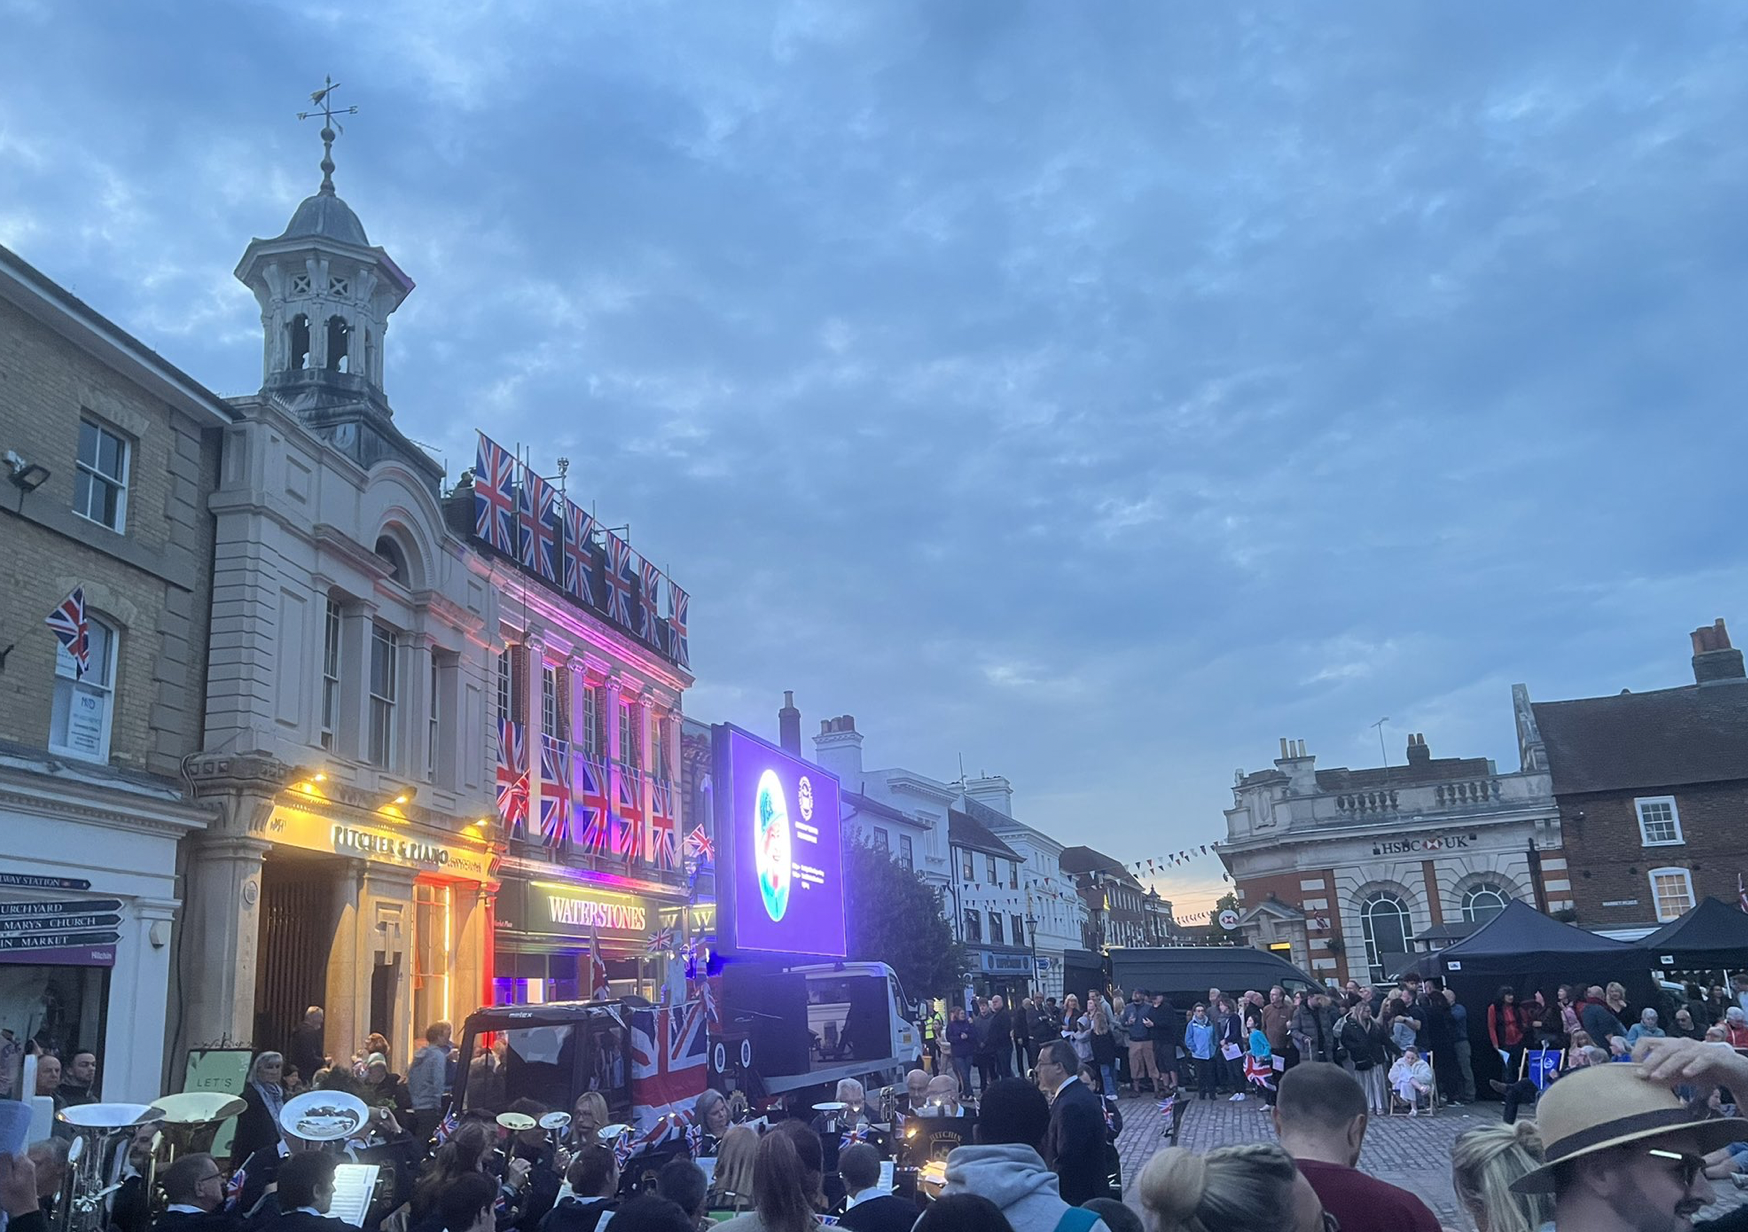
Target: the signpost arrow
pixel 72 906
pixel 40 941
pixel 57 924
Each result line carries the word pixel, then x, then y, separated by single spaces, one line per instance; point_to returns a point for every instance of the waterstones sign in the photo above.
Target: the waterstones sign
pixel 572 911
pixel 1430 842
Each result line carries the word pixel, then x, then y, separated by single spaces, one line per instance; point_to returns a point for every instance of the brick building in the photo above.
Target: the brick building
pixel 1116 903
pixel 111 454
pixel 1652 790
pixel 1340 870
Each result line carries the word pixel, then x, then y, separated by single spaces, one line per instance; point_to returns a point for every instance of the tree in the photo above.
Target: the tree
pixel 895 918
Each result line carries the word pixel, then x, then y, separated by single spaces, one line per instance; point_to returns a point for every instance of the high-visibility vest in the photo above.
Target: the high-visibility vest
pixel 929 1026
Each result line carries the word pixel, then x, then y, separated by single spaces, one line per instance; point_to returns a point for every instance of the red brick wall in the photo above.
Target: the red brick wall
pixel 1285 887
pixel 1608 861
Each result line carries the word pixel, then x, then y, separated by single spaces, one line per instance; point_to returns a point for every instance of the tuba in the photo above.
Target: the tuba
pixel 103 1134
pixel 191 1120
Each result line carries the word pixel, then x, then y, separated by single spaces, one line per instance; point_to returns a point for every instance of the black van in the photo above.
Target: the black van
pixel 1185 973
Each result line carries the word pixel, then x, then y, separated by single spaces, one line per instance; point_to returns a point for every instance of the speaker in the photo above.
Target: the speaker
pixel 771 1007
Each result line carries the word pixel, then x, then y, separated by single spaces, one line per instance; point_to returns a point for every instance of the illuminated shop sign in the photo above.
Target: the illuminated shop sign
pixel 555 910
pixel 349 840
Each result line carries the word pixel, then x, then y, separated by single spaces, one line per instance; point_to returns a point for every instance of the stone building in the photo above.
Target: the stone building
pixel 1340 870
pixel 1652 788
pixel 110 454
pixel 353 670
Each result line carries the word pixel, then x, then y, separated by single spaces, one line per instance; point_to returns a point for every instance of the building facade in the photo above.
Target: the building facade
pixel 111 454
pixel 354 663
pixel 1339 870
pixel 1116 903
pixel 1054 914
pixel 1651 788
pixel 904 808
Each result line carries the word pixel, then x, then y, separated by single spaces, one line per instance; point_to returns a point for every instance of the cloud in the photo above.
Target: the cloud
pixel 1103 393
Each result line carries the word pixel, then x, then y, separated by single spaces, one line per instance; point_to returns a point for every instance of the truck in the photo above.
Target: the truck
pixel 769 1032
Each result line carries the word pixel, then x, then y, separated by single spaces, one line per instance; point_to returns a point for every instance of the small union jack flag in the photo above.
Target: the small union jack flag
pixel 512 776
pixel 698 844
pixel 649 621
pixel 619 579
pixel 555 790
pixel 234 1187
pixel 662 941
pixel 1165 1106
pixel 677 602
pixel 534 507
pixel 494 495
pixel 69 625
pixel 579 533
pixel 694 1139
pixel 599 988
pixel 623 1148
pixel 858 1133
pixel 446 1128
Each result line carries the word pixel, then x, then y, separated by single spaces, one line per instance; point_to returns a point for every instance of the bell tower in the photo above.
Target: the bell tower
pixel 326 294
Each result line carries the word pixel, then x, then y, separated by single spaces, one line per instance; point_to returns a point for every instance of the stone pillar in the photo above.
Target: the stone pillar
pixel 221 932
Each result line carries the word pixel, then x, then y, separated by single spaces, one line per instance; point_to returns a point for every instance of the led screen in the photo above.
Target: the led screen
pixel 780 880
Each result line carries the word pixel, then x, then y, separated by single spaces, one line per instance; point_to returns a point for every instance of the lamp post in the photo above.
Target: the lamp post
pixel 1032 936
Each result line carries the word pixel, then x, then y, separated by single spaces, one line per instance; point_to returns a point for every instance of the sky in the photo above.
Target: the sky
pixel 1096 393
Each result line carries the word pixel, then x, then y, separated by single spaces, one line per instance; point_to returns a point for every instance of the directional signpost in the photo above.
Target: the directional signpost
pixel 81 931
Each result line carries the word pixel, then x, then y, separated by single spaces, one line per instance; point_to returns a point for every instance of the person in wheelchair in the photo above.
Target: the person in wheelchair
pixel 1411 1081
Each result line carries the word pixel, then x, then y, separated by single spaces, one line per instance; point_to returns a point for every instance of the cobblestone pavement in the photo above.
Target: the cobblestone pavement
pixel 1413 1152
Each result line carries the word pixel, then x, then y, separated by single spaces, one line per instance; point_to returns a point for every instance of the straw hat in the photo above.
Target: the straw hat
pixel 1605 1106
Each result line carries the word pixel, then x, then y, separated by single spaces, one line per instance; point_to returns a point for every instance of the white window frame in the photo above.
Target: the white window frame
pixel 99 681
pixel 1485 887
pixel 433 719
pixel 907 852
pixel 882 841
pixel 1645 839
pixel 1656 899
pixel 382 705
pixel 549 700
pixel 630 731
pixel 594 730
pixel 506 684
pixel 98 478
pixel 329 735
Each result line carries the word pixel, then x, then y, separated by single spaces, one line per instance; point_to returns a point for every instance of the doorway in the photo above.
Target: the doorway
pixel 297 930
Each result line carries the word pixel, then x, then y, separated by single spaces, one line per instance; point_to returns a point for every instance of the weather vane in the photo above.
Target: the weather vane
pixel 330 129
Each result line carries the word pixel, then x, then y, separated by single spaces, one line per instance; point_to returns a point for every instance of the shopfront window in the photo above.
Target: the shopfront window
pixel 433 943
pixel 62 1008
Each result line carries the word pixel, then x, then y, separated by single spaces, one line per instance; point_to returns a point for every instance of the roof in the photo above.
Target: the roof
pixel 1714 931
pixel 57 308
pixel 874 808
pixel 1665 738
pixel 1450 930
pixel 1433 770
pixel 1520 938
pixel 963 830
pixel 1083 859
pixel 325 216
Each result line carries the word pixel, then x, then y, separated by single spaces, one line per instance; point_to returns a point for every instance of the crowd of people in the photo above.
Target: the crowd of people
pixel 1615 1147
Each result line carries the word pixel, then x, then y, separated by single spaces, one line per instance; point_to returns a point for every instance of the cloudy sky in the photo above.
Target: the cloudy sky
pixel 1095 392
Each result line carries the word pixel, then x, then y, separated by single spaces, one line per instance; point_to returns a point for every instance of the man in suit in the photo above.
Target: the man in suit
pixel 195 1187
pixel 1074 1146
pixel 306 1189
pixel 871 1208
pixel 305 1051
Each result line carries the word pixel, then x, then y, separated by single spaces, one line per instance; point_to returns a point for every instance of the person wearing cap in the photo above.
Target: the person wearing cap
pixel 1623 1153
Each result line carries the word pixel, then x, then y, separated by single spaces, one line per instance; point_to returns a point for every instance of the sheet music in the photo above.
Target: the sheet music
pixel 353 1186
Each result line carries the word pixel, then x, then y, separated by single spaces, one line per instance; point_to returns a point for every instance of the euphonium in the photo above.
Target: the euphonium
pixel 102 1137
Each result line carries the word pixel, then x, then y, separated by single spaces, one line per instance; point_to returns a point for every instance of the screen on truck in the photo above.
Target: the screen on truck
pixel 780 859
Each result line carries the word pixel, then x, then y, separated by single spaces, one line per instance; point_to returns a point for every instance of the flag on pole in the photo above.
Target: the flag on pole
pixel 599 990
pixel 649 620
pixel 579 533
pixel 698 844
pixel 69 624
pixel 494 495
pixel 534 506
pixel 677 604
pixel 619 579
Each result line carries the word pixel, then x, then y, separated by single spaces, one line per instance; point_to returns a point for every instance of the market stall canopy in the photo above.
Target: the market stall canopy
pixel 1521 941
pixel 1713 934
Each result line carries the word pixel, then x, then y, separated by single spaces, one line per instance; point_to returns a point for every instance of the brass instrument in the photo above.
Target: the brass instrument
pixel 889 1105
pixel 191 1120
pixel 103 1135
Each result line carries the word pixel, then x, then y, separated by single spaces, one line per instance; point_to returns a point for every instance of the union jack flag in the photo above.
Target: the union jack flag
pixel 623 1149
pixel 494 495
pixel 649 621
pixel 694 1139
pixel 555 790
pixel 599 989
pixel 234 1187
pixel 662 840
pixel 669 1050
pixel 628 817
pixel 446 1128
pixel 677 601
pixel 662 940
pixel 534 505
pixel 853 1135
pixel 512 776
pixel 1259 1071
pixel 68 622
pixel 589 791
pixel 708 999
pixel 619 579
pixel 579 533
pixel 698 844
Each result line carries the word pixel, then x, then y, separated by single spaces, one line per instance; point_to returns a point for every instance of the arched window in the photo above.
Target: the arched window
pixel 1484 901
pixel 339 331
pixel 297 350
pixel 391 553
pixel 79 716
pixel 1387 928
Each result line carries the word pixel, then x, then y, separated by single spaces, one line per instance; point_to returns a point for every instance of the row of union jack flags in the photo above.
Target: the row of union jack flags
pixel 585 801
pixel 520 514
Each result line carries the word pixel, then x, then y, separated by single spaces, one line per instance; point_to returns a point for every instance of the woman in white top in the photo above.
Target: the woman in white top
pixel 1411 1078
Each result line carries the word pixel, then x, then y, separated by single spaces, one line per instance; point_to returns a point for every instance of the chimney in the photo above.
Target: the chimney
pixel 994 791
pixel 1715 661
pixel 1418 753
pixel 789 724
pixel 838 748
